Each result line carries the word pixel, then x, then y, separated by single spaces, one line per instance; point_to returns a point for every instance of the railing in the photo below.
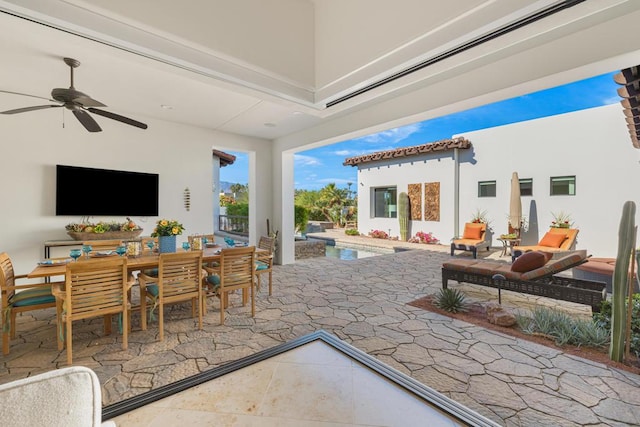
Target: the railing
pixel 234 224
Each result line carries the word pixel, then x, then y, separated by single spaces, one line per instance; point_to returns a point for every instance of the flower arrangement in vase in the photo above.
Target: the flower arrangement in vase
pixel 166 231
pixel 167 227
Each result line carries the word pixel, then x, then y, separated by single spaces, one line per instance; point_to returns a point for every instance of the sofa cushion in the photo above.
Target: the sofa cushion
pixel 529 261
pixel 472 231
pixel 556 266
pixel 552 240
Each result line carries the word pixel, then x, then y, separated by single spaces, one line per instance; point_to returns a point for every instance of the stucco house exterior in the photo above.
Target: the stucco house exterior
pixel 580 163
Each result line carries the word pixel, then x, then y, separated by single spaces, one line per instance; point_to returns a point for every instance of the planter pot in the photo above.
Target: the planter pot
pixel 166 244
pixel 108 235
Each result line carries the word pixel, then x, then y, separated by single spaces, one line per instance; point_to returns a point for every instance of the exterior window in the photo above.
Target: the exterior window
pixel 563 185
pixel 526 187
pixel 486 189
pixel 385 202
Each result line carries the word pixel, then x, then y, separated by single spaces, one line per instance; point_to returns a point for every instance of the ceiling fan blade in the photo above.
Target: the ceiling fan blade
pixel 86 120
pixel 26 94
pixel 25 109
pixel 118 118
pixel 87 101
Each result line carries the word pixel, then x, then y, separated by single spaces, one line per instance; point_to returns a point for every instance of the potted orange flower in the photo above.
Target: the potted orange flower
pixel 166 231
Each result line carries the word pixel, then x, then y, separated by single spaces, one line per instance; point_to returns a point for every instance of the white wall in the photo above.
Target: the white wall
pixel 33 143
pixel 591 144
pixel 402 172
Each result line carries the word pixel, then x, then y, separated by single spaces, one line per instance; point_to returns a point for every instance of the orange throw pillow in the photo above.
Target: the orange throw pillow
pixel 529 261
pixel 472 232
pixel 552 240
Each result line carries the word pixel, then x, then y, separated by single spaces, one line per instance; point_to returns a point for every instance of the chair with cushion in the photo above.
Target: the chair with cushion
pixel 70 397
pixel 533 273
pixel 145 241
pixel 16 299
pixel 179 279
pixel 236 272
pixel 92 289
pixel 104 247
pixel 264 260
pixel 473 238
pixel 99 247
pixel 557 241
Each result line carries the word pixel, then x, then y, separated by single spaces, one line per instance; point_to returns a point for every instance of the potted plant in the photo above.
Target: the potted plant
pixel 561 220
pixel 166 231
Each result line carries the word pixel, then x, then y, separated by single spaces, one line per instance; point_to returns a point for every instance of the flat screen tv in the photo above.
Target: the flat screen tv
pixel 88 191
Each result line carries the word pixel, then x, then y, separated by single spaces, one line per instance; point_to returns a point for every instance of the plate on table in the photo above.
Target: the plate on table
pixel 104 253
pixel 212 245
pixel 54 262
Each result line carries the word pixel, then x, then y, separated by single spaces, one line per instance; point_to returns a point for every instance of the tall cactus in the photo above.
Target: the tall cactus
pixel 621 280
pixel 403 215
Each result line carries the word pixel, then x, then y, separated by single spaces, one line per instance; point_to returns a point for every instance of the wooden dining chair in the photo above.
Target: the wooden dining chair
pixel 99 247
pixel 96 288
pixel 29 297
pixel 145 244
pixel 264 260
pixel 179 279
pixel 102 245
pixel 236 272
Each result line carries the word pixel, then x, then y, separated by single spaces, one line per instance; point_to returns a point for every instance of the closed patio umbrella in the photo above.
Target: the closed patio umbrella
pixel 515 204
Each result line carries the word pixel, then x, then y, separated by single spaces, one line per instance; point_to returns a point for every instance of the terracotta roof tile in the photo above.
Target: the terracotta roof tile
pixel 442 145
pixel 225 158
pixel 629 91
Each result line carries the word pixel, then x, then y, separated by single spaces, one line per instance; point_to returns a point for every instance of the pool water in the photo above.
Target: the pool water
pixel 348 253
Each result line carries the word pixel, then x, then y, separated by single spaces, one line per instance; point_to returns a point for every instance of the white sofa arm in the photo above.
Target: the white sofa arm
pixel 63 397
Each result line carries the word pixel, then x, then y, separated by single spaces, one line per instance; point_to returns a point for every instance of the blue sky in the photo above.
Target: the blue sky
pixel 318 167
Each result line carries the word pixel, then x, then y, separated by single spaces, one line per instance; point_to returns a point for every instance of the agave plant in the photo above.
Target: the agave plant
pixel 451 300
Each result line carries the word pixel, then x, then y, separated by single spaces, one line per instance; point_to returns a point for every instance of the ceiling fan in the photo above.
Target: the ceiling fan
pixel 78 102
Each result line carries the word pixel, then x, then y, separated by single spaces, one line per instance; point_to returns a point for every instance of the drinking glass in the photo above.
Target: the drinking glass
pixel 150 245
pixel 75 254
pixel 86 249
pixel 205 241
pixel 185 246
pixel 121 250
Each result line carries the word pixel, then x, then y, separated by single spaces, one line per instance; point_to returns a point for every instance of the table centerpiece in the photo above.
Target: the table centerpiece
pixel 103 230
pixel 166 231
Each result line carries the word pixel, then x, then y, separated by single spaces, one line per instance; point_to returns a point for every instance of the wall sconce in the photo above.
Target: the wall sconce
pixel 187 199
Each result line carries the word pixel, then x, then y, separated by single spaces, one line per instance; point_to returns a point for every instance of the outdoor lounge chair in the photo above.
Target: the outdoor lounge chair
pixel 542 281
pixel 551 243
pixel 473 238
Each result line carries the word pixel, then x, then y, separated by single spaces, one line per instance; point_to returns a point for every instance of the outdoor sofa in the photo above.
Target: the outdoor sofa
pixel 542 281
pixel 557 240
pixel 473 238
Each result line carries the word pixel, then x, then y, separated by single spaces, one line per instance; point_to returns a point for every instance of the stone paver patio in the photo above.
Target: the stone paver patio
pixel 364 302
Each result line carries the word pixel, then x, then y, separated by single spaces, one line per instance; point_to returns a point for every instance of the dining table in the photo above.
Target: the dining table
pixel 145 260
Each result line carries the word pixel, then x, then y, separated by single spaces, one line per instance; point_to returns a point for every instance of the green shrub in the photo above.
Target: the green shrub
pixel 451 300
pixel 239 209
pixel 301 218
pixel 563 329
pixel 603 319
pixel 351 232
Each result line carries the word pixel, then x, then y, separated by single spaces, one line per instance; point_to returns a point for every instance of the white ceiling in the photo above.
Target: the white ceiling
pixel 267 68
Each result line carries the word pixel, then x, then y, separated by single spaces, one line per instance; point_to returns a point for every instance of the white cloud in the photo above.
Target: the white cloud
pixel 302 160
pixel 392 135
pixel 335 180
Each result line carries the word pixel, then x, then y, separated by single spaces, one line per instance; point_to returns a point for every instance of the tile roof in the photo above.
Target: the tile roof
pixel 629 79
pixel 430 147
pixel 225 158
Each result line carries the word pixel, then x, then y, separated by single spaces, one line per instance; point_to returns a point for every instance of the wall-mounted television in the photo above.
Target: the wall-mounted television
pixel 88 191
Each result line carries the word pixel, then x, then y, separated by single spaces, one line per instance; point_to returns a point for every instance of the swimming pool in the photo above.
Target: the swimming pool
pixel 346 253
